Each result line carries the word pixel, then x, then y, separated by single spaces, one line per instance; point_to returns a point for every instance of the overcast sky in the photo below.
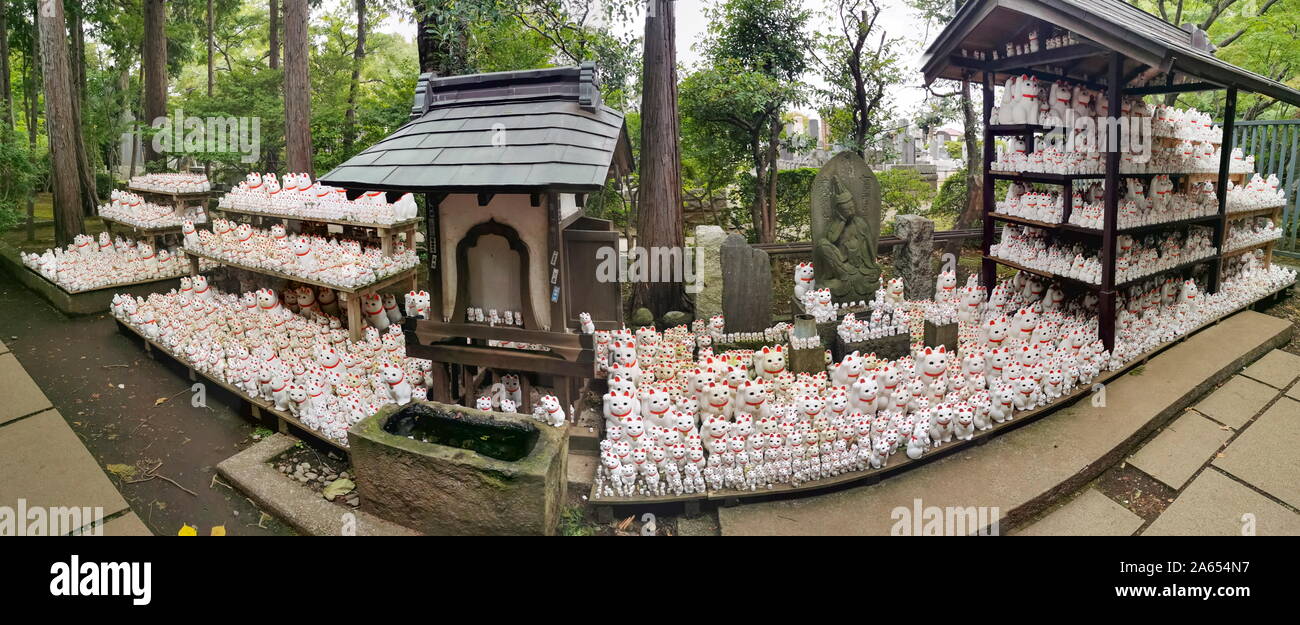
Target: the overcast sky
pixel 898 20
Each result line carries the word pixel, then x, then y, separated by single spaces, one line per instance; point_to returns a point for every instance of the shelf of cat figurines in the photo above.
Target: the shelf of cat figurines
pixel 258 404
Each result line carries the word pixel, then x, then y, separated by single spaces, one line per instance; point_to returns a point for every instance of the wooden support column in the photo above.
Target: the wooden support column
pixel 1106 297
pixel 432 234
pixel 356 324
pixel 553 238
pixel 988 269
pixel 1221 188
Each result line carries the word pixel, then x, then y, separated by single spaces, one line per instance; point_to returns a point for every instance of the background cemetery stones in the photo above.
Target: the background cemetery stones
pixel 746 298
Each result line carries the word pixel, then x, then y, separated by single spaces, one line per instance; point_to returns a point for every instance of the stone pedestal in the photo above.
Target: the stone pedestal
pixel 708 297
pixel 941 335
pixel 886 348
pixel 455 489
pixel 746 286
pixel 912 258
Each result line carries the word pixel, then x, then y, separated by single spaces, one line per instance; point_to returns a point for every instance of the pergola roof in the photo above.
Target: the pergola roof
pixel 1146 41
pixel 523 131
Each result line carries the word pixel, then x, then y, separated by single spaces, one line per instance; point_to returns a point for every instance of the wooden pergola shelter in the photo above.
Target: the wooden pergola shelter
pixel 1117 45
pixel 506 162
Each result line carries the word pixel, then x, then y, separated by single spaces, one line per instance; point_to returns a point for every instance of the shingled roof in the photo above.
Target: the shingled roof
pixel 1144 39
pixel 522 131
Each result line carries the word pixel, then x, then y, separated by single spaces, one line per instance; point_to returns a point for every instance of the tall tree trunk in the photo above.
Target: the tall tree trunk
pixel 297 89
pixel 29 111
pixel 273 35
pixel 758 210
pixel 155 69
pixel 359 54
pixel 212 75
pixel 773 173
pixel 58 118
pixel 77 67
pixel 8 102
pixel 974 210
pixel 659 222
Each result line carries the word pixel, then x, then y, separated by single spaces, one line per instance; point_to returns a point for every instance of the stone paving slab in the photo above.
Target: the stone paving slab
pixel 1214 505
pixel 43 461
pixel 1089 514
pixel 1277 369
pixel 1294 392
pixel 1234 403
pixel 1267 454
pixel 126 525
pixel 20 394
pixel 300 507
pixel 1022 471
pixel 1175 454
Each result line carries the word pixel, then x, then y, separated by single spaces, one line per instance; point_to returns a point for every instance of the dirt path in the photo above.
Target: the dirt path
pixel 109 390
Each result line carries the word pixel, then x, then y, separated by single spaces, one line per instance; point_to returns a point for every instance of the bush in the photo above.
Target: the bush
pixel 951 201
pixel 903 191
pixel 104 185
pixel 793 204
pixel 19 173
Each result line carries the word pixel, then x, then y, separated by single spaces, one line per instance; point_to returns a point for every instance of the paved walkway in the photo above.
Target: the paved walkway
pixel 1015 475
pixel 44 464
pixel 1229 464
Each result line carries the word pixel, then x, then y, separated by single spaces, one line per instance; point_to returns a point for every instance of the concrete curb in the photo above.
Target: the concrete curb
pixel 300 508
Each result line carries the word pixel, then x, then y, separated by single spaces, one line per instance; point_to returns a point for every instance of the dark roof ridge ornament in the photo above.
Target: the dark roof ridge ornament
pixel 423 96
pixel 1200 38
pixel 588 90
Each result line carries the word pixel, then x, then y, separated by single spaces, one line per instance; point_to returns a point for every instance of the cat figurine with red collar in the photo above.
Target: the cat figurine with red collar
pixel 483 403
pixel 399 388
pixel 549 410
pixel 372 308
pixel 656 407
pixel 619 405
pixel 769 363
pixel 804 280
pixel 847 371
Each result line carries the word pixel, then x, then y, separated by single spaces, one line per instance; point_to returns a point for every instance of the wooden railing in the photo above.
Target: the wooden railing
pixel 1276 147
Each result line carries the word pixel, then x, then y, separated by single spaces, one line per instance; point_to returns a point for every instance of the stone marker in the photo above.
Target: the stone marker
pixel 746 286
pixel 708 242
pixel 912 257
pixel 846 228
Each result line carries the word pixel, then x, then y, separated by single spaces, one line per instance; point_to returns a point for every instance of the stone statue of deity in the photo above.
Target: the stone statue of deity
pixel 846 228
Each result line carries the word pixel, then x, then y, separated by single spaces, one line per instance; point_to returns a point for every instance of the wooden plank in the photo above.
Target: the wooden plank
pixel 501 358
pixel 338 222
pixel 374 286
pixel 429 331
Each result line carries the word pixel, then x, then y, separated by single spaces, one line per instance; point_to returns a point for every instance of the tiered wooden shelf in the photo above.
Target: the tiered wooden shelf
pixel 286 421
pixel 385 232
pixel 1106 235
pixel 356 323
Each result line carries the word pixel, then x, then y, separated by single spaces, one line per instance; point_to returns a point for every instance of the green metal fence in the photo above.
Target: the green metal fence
pixel 1276 146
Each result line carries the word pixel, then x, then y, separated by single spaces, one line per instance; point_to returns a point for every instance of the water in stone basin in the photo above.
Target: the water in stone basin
pixel 503 440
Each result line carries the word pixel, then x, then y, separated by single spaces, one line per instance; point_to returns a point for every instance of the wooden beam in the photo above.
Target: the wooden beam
pixel 485 198
pixel 1221 186
pixel 1179 88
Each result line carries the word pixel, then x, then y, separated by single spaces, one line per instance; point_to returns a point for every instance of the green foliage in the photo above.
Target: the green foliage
pixel 952 197
pixel 903 191
pixel 573 522
pixel 793 204
pixel 854 49
pixel 19 171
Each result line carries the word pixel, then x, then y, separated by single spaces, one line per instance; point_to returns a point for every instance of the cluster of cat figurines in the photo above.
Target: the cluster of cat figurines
pixel 298 197
pixel 301 363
